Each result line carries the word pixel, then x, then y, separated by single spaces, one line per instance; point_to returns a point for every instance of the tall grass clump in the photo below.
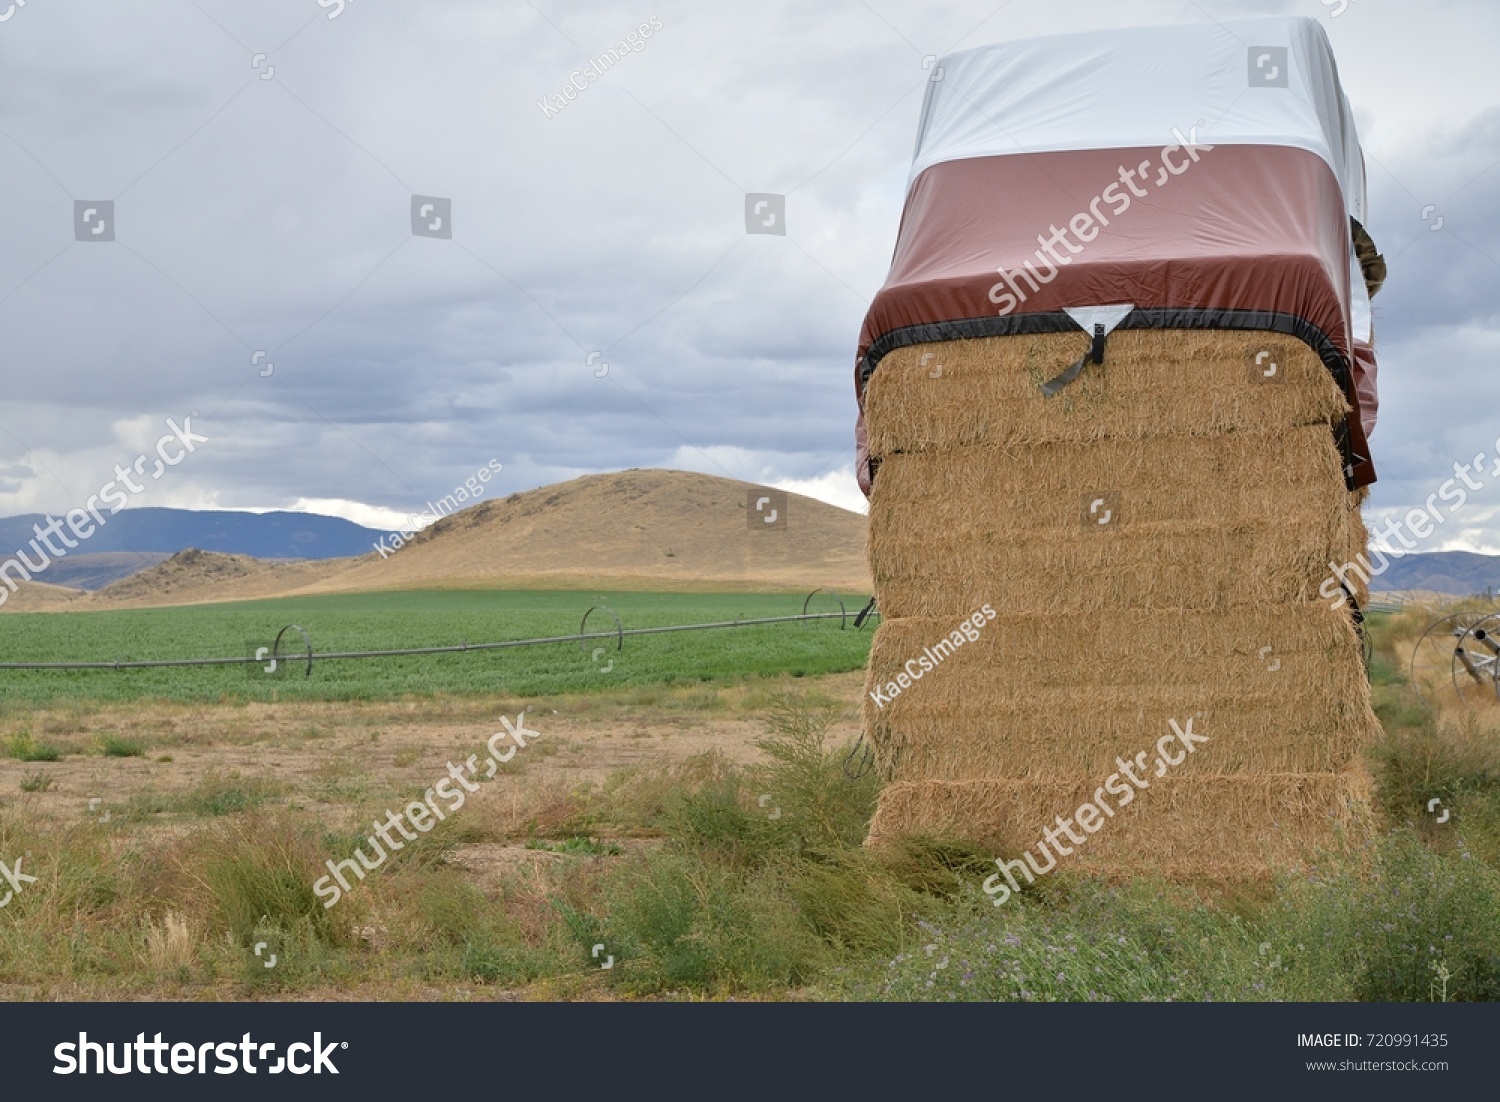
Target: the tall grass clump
pixel 244 872
pixel 1452 759
pixel 461 932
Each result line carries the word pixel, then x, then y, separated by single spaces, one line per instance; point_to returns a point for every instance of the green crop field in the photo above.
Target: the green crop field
pixel 351 622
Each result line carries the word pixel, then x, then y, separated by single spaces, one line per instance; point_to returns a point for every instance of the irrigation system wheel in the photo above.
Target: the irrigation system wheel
pixel 1457 661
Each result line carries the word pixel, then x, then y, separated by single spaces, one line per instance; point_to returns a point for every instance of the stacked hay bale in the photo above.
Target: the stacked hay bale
pixel 1197 596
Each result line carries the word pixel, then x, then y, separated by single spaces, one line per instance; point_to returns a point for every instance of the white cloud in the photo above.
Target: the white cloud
pixel 836 488
pixel 371 516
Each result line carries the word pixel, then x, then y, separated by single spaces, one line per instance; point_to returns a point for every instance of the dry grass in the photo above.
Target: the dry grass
pixel 646 830
pixel 170 946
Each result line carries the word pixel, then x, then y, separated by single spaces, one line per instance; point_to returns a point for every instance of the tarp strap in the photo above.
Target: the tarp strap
pixel 864 765
pixel 1357 614
pixel 1095 354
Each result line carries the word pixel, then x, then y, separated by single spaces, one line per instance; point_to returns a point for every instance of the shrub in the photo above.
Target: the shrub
pixel 510 965
pixel 23 747
pixel 1142 943
pixel 717 818
pixel 818 799
pixel 676 921
pixel 113 746
pixel 226 794
pixel 937 866
pixel 853 904
pixel 1383 932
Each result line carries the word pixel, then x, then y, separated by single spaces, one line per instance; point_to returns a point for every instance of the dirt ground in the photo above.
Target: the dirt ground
pixel 330 757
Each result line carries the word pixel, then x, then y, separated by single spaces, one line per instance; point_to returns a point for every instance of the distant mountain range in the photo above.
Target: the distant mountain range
pixel 637 530
pixel 1459 573
pixel 136 539
pixel 651 526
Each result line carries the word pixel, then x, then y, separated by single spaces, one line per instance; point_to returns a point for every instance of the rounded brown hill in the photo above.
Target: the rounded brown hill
pixel 638 529
pixel 193 576
pixel 39 597
pixel 648 529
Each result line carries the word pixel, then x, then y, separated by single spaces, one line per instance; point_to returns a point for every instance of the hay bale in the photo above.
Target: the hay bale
pixel 1242 826
pixel 1226 503
pixel 1283 689
pixel 1153 383
pixel 1243 476
pixel 1293 647
pixel 1054 732
pixel 1165 565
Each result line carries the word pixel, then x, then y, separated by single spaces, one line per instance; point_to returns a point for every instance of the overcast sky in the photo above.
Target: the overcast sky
pixel 264 204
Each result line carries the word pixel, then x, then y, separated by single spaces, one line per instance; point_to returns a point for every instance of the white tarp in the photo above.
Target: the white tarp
pixel 1268 81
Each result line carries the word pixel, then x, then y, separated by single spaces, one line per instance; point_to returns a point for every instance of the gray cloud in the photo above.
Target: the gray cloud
pixel 274 215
